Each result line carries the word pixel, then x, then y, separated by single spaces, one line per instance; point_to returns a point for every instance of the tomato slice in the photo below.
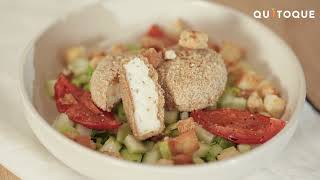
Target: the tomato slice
pixel 78 105
pixel 242 127
pixel 155 31
pixel 82 115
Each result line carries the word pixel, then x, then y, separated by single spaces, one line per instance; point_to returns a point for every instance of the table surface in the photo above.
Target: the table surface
pixel 300 34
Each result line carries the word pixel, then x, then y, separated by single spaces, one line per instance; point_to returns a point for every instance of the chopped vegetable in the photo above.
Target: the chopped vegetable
pixel 111 146
pixel 64 125
pixel 182 159
pixel 171 117
pixel 85 141
pixel 83 130
pixel 242 148
pixel 197 160
pixel 155 31
pixel 123 132
pixel 149 145
pixel 204 135
pixel 213 152
pixel 151 157
pixel 184 115
pixel 135 157
pixel 202 151
pixel 120 114
pixel 80 80
pixel 165 149
pixel 50 87
pixel 133 145
pixel 133 47
pixel 228 153
pixel 79 66
pixel 222 142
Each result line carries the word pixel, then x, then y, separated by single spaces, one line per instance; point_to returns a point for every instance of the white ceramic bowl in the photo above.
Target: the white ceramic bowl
pixel 114 20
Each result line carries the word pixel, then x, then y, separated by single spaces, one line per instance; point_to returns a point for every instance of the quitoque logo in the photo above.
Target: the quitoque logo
pixel 274 13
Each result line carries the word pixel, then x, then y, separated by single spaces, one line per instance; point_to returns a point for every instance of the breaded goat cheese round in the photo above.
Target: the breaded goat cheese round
pixel 195 79
pixel 104 83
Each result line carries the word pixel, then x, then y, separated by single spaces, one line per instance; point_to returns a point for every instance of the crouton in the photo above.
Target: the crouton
pixel 248 81
pixel 186 125
pixel 231 53
pixel 265 88
pixel 193 40
pixel 255 103
pixel 74 53
pixel 154 58
pixel 186 143
pixel 274 105
pixel 142 97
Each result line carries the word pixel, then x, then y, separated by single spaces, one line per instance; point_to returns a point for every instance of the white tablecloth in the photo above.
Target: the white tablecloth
pixel 22 153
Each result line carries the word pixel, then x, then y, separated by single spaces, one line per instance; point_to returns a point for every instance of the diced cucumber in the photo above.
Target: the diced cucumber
pixel 135 157
pixel 171 117
pixel 103 135
pixel 213 152
pixel 83 130
pixel 184 115
pixel 172 130
pixel 165 149
pixel 133 47
pixel 229 101
pixel 50 87
pixel 151 157
pixel 228 153
pixel 204 135
pixel 197 160
pixel 202 151
pixel 86 87
pixel 133 145
pixel 79 66
pixel 64 125
pixel 98 143
pixel 149 145
pixel 242 148
pixel 222 142
pixel 111 145
pixel 120 113
pixel 123 132
pixel 90 71
pixel 80 80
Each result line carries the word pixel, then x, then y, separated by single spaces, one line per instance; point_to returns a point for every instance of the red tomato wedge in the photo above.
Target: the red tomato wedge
pixel 155 31
pixel 242 127
pixel 78 105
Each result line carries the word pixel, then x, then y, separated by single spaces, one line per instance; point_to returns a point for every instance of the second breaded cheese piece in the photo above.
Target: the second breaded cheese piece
pixel 142 97
pixel 104 83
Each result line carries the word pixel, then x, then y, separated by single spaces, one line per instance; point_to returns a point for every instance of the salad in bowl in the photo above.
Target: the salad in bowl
pixel 171 98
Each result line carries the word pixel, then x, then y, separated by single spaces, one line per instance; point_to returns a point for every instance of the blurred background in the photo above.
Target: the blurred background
pixel 21 20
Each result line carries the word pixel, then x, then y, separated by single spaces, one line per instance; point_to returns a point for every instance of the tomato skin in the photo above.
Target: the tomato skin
pixel 155 31
pixel 239 126
pixel 78 105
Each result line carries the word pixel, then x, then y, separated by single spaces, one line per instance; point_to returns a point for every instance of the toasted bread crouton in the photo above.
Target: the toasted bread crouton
pixel 274 105
pixel 265 88
pixel 154 57
pixel 193 40
pixel 255 103
pixel 249 80
pixel 185 143
pixel 142 97
pixel 104 83
pixel 195 79
pixel 186 125
pixel 231 53
pixel 74 53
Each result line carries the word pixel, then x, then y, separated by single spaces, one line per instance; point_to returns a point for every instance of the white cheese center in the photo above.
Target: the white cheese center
pixel 144 95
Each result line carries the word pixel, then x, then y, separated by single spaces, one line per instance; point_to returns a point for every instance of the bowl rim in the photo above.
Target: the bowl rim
pixel 29 107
